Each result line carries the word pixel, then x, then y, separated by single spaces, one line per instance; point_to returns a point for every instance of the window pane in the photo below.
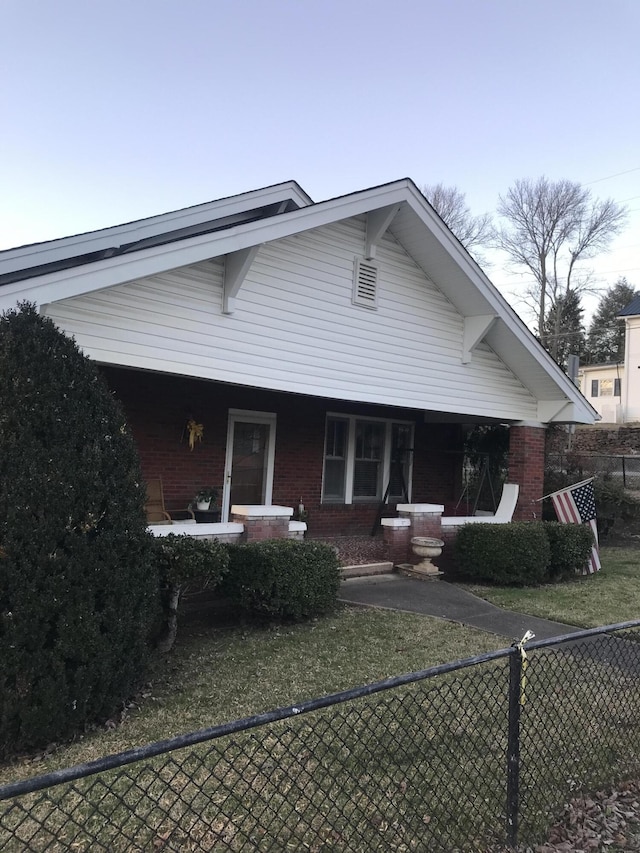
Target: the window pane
pixel 401 447
pixel 335 459
pixel 366 480
pixel 606 387
pixel 368 461
pixel 334 479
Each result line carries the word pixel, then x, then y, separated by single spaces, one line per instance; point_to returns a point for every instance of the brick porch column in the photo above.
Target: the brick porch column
pixel 396 533
pixel 526 467
pixel 263 522
pixel 425 519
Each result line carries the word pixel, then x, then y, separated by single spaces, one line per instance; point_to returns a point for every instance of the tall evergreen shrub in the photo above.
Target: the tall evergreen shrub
pixel 77 586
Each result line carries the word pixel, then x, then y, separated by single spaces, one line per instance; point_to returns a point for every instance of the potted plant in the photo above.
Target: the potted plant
pixel 205 496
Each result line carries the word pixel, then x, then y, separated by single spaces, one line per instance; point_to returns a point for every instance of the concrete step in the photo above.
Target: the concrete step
pixel 366 569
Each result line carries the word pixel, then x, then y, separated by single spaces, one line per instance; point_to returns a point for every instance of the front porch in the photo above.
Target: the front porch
pixel 339 466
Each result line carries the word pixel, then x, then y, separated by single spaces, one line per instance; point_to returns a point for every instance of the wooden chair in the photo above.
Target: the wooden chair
pixel 156 511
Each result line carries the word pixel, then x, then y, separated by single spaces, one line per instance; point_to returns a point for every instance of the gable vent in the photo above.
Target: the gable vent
pixel 365 284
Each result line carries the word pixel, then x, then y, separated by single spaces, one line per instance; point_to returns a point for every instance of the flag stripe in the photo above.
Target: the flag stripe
pixel 576 505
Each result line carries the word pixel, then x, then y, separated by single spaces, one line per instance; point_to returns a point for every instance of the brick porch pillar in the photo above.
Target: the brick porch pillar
pixel 396 534
pixel 526 467
pixel 263 522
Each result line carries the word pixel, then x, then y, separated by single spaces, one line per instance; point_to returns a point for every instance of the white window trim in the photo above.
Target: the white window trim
pixel 351 453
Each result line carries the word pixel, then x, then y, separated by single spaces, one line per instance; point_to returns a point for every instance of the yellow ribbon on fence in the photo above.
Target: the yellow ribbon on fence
pixel 529 635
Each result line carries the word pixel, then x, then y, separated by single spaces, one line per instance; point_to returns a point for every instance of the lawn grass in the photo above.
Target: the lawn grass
pixel 424 764
pixel 611 595
pixel 218 674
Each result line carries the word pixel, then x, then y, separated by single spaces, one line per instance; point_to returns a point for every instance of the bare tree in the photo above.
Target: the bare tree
pixel 474 232
pixel 550 227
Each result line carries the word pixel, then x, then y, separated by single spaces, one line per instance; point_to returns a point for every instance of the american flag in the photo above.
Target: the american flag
pixel 577 505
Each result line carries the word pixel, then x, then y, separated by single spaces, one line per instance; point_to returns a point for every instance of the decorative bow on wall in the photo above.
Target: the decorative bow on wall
pixel 196 431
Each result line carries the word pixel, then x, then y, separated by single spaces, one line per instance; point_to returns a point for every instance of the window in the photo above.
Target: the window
pixel 616 388
pixel 606 387
pixel 367 474
pixel 594 387
pixel 365 457
pixel 335 458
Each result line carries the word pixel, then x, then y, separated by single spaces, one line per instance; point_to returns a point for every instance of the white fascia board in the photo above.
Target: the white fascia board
pixel 51 251
pixel 76 281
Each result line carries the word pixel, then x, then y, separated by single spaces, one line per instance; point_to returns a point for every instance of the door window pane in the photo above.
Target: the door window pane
pixel 248 481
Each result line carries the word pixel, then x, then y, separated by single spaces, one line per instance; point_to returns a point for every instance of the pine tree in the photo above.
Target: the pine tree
pixel 564 328
pixel 77 584
pixel 605 340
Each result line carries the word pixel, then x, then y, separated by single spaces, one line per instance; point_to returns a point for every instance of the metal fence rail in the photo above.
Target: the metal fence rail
pixel 624 469
pixel 463 756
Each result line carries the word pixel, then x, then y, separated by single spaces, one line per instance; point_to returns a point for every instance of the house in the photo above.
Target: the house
pixel 328 354
pixel 630 377
pixel 602 384
pixel 614 389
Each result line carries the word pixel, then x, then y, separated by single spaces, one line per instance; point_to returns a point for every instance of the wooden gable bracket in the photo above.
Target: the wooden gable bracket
pixel 475 328
pixel 550 410
pixel 378 221
pixel 236 266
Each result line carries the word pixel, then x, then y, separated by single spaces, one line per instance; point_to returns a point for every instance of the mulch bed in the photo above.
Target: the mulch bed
pixel 357 550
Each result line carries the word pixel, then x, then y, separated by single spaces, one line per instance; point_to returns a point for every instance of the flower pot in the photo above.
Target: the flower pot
pixel 203 505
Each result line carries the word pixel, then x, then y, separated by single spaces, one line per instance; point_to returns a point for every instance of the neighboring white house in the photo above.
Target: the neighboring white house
pixel 614 389
pixel 631 380
pixel 602 385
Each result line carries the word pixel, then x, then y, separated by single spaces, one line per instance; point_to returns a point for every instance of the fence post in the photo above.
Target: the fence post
pixel 513 748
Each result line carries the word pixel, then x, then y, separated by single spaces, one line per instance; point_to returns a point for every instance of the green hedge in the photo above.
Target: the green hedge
pixel 570 548
pixel 517 553
pixel 77 588
pixel 183 562
pixel 282 580
pixel 522 553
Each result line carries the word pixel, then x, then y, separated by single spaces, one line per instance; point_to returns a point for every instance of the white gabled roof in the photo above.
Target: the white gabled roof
pixel 61 269
pixel 168 227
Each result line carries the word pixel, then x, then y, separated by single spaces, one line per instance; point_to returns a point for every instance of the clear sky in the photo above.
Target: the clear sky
pixel 113 111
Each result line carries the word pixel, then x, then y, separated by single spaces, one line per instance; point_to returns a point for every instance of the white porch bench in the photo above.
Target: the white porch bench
pixel 503 514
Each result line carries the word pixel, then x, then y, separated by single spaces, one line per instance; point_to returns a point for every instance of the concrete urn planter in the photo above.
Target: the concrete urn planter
pixel 426 547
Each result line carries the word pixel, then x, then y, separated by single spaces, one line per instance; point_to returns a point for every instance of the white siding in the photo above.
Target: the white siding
pixel 295 329
pixel 609 407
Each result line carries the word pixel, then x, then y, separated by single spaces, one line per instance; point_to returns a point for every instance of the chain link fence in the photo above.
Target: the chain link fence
pixel 622 469
pixel 471 755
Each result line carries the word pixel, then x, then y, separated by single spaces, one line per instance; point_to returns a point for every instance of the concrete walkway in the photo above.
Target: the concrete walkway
pixel 446 601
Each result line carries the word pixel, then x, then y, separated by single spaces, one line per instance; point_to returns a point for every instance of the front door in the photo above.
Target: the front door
pixel 249 463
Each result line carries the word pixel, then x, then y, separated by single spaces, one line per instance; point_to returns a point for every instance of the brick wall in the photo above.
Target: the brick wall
pixel 526 467
pixel 158 408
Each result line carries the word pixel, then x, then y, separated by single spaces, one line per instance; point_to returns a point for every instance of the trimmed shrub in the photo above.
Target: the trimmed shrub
pixel 282 580
pixel 570 548
pixel 77 588
pixel 508 554
pixel 182 562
